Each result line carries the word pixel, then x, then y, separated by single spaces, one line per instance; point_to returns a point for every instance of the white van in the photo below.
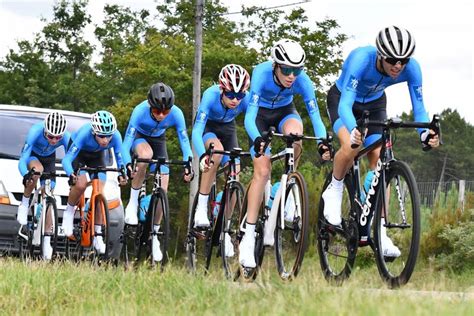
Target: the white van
pixel 15 122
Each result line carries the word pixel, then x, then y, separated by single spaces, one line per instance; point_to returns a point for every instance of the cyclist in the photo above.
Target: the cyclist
pixel 273 85
pixel 145 137
pixel 215 123
pixel 87 148
pixel 365 75
pixel 39 154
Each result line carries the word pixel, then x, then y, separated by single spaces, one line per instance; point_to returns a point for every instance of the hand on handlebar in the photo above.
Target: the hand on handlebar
pixel 205 163
pixel 72 179
pixel 429 139
pixel 188 175
pixel 356 137
pixel 131 171
pixel 28 178
pixel 326 151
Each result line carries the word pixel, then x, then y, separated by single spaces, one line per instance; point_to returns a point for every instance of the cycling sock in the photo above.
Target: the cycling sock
pixel 134 195
pixel 25 200
pixel 98 229
pixel 337 184
pixel 202 199
pixel 70 208
pixel 249 230
pixel 156 228
pixel 47 240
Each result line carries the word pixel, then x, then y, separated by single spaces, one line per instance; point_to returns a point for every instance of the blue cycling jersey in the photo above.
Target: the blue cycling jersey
pixel 36 142
pixel 141 121
pixel 212 108
pixel 266 93
pixel 361 81
pixel 84 139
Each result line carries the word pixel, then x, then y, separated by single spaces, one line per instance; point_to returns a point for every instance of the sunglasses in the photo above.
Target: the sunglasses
pixel 238 95
pixel 286 71
pixel 52 137
pixel 394 61
pixel 156 111
pixel 103 136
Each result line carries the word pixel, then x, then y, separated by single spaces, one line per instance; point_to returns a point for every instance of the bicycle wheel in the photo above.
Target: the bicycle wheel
pixel 291 240
pixel 402 226
pixel 250 274
pixel 101 207
pixel 199 242
pixel 51 216
pixel 130 240
pixel 337 247
pixel 231 206
pixel 159 201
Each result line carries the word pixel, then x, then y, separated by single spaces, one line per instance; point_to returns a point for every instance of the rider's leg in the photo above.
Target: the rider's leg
pixel 294 126
pixel 261 174
pixel 343 161
pixel 22 213
pixel 74 195
pixel 144 151
pixel 207 179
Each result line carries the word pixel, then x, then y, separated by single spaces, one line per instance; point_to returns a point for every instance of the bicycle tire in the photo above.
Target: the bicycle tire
pixel 337 248
pixel 101 206
pixel 291 240
pixel 230 226
pixel 199 242
pixel 401 186
pixel 160 198
pixel 50 206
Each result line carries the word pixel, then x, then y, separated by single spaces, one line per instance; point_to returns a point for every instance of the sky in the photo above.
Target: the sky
pixel 443 31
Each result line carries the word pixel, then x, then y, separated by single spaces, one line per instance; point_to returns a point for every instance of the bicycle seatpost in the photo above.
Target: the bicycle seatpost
pixel 361 126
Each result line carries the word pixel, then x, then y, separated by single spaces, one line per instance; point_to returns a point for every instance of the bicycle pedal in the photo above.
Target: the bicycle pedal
pixel 248 274
pixel 389 259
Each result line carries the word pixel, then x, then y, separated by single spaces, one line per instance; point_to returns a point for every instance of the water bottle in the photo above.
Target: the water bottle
pixel 86 208
pixel 143 208
pixel 367 182
pixel 39 209
pixel 217 204
pixel 275 188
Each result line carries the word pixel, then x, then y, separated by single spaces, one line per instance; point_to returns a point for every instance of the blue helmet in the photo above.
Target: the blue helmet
pixel 103 123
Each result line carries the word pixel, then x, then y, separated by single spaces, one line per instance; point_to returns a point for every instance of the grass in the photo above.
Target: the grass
pixel 67 288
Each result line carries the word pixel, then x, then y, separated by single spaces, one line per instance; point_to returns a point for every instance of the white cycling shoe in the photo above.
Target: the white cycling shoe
pixel 332 197
pixel 155 249
pixel 229 246
pixel 22 215
pixel 247 252
pixel 99 244
pixel 200 217
pixel 131 217
pixel 47 249
pixel 68 221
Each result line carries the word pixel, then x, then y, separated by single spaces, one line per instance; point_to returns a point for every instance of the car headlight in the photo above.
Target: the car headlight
pixel 4 199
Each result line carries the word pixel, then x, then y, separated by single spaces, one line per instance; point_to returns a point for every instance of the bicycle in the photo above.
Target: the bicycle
pixel 200 241
pixel 80 245
pixel 42 218
pixel 290 237
pixel 136 238
pixel 394 199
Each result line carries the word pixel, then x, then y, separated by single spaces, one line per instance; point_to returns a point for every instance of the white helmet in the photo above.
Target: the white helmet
pixel 103 123
pixel 288 52
pixel 395 42
pixel 55 124
pixel 234 78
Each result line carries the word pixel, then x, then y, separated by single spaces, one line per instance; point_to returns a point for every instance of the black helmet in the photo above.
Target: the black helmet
pixel 161 96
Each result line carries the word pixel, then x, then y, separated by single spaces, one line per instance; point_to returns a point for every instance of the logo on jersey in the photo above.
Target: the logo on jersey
pixel 201 116
pixel 132 131
pixel 25 148
pixel 312 106
pixel 255 99
pixel 352 84
pixel 418 92
pixel 74 149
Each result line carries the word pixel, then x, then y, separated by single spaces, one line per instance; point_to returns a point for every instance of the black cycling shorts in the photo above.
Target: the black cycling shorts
pixel 377 109
pixel 275 117
pixel 157 144
pixel 48 162
pixel 225 132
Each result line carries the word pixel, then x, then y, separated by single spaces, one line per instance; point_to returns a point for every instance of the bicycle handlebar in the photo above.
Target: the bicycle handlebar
pixel 394 123
pixel 291 138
